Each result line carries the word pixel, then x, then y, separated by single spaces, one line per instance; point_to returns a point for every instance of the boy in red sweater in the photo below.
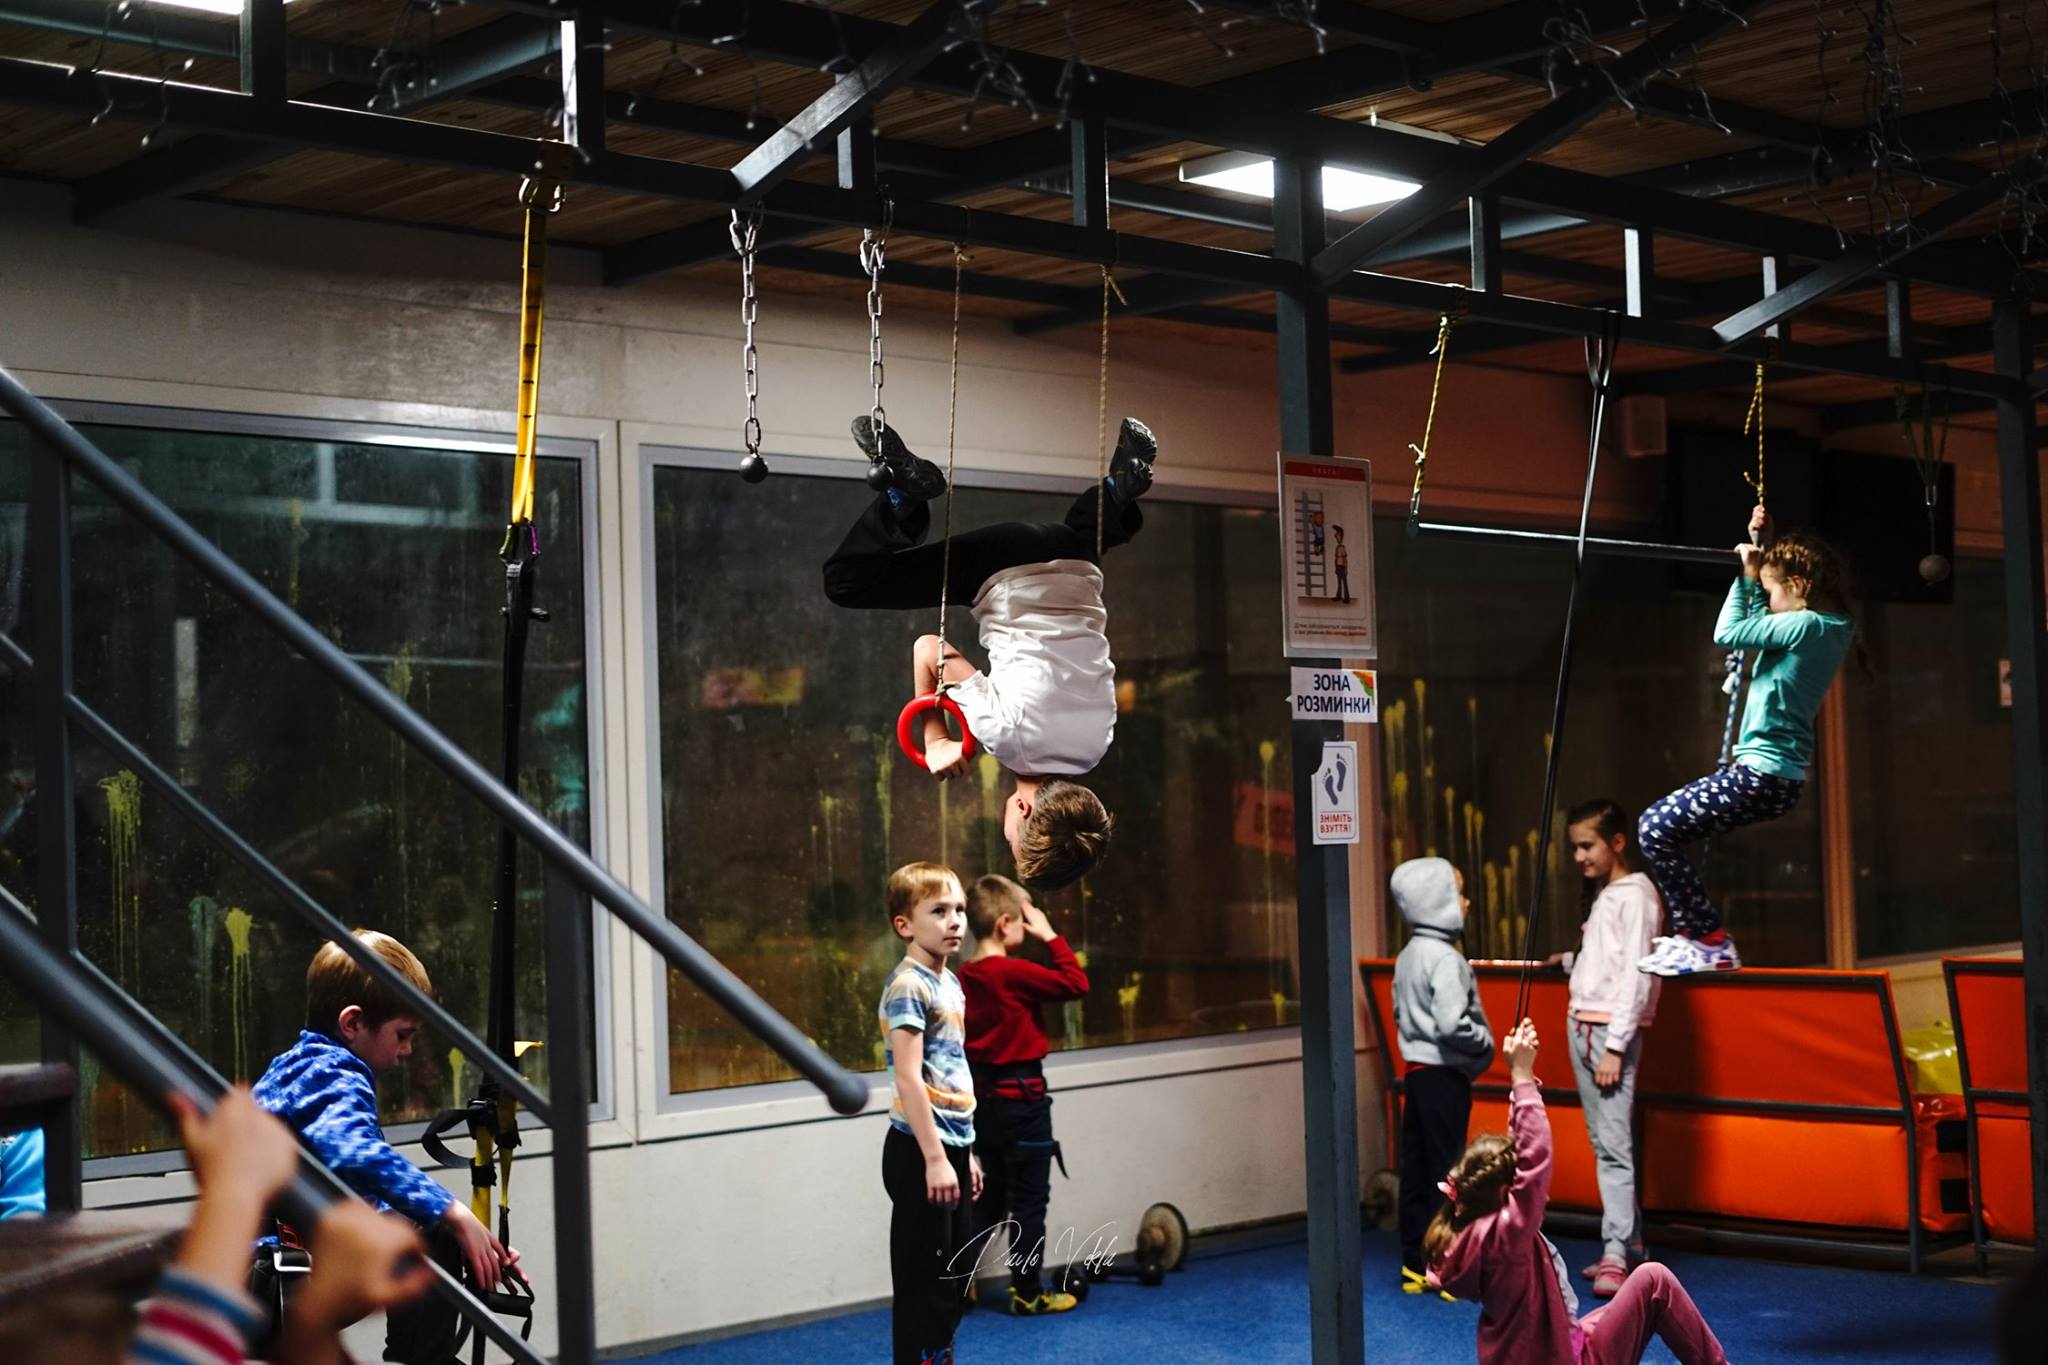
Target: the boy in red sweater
pixel 1006 1049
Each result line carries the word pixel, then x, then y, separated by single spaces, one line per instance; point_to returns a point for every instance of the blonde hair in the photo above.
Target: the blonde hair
pixel 334 981
pixel 991 898
pixel 1064 837
pixel 914 882
pixel 1481 1177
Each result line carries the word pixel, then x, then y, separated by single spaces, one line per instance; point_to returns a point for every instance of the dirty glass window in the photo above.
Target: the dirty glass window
pixel 1469 638
pixel 785 803
pixel 390 550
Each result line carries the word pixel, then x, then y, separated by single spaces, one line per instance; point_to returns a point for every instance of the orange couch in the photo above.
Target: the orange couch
pixel 1986 1001
pixel 1772 1097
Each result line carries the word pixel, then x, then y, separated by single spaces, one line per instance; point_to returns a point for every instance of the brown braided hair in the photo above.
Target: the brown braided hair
pixel 1481 1178
pixel 1805 556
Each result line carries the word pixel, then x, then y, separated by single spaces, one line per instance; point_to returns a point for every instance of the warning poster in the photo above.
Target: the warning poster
pixel 1326 558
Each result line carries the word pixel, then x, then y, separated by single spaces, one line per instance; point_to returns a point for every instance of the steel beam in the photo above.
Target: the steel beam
pixel 1483 211
pixel 1538 132
pixel 56 797
pixel 182 31
pixel 1639 270
pixel 582 45
pixel 2019 497
pixel 1329 1062
pixel 262 50
pixel 1867 258
pixel 1090 174
pixel 894 61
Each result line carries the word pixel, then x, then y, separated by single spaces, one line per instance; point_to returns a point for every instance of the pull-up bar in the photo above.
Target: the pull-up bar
pixel 1605 545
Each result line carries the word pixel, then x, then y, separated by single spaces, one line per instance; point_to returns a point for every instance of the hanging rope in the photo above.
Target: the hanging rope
pixel 1444 324
pixel 1109 286
pixel 1930 453
pixel 1733 665
pixel 1600 370
pixel 908 721
pixel 960 259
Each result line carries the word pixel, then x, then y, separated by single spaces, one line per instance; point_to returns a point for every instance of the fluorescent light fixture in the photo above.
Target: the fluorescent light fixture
pixel 1343 189
pixel 207 6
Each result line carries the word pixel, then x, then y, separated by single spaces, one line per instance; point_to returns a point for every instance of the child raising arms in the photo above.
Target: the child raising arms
pixel 1487 1243
pixel 1791 607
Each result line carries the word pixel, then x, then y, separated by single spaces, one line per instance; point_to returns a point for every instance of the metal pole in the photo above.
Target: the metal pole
pixel 846 1092
pixel 1329 1067
pixel 2019 496
pixel 568 966
pixel 1599 545
pixel 56 809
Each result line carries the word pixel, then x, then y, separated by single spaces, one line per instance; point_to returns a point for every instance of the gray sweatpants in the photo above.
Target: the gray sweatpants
pixel 1609 1115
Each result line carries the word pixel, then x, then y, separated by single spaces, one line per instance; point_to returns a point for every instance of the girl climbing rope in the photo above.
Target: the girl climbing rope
pixel 1790 608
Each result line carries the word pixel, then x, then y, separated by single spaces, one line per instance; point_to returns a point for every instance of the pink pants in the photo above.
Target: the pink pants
pixel 1652 1303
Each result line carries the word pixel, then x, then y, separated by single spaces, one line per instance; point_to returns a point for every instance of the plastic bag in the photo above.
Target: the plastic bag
pixel 1931 1053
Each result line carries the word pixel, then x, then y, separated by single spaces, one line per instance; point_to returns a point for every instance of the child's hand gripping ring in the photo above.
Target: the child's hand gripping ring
pixel 906 726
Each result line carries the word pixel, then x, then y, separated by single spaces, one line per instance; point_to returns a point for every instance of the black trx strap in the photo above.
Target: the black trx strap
pixel 1599 370
pixel 491 1117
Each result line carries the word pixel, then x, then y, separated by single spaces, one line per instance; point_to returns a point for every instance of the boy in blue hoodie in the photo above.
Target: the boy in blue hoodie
pixel 325 1089
pixel 1445 1045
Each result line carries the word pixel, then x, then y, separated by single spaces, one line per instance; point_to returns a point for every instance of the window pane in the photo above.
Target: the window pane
pixel 391 553
pixel 785 802
pixel 1470 635
pixel 1930 772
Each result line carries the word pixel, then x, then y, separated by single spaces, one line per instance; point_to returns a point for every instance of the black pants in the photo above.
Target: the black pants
pixel 1436 1107
pixel 884 563
pixel 1013 1137
pixel 428 1331
pixel 1343 585
pixel 924 1242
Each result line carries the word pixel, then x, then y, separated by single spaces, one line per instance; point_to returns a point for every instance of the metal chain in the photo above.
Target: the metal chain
pixel 873 246
pixel 746 231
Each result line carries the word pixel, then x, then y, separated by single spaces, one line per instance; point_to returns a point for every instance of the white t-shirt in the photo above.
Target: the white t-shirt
pixel 1047 704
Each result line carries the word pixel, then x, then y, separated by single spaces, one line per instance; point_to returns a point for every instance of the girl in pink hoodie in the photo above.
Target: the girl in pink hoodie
pixel 1487 1244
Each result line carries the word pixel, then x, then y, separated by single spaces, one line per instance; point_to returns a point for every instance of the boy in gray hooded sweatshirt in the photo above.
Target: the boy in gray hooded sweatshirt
pixel 1445 1045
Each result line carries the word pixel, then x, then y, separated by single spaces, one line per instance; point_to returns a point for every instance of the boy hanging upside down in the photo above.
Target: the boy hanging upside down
pixel 1046 708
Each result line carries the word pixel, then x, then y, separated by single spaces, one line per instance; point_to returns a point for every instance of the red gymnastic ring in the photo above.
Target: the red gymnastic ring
pixel 906 726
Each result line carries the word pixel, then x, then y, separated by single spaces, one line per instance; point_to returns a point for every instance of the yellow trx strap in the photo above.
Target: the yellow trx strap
pixel 541 197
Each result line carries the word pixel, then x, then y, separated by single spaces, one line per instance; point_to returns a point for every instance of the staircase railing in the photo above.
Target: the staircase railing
pixel 56 450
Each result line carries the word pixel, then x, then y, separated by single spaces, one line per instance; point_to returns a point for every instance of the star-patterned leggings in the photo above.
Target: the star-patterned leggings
pixel 1719 802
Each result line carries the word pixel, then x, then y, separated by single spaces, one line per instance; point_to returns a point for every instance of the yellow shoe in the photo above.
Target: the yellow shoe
pixel 1415 1282
pixel 1046 1301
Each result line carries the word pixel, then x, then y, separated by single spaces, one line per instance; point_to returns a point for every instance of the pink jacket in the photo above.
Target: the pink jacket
pixel 1503 1262
pixel 1617 935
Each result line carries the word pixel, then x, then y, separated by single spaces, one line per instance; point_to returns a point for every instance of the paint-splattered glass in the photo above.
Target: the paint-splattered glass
pixel 785 802
pixel 1469 645
pixel 391 552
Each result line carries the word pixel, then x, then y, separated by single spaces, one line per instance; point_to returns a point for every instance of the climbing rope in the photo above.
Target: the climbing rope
pixel 1451 318
pixel 1109 286
pixel 1733 665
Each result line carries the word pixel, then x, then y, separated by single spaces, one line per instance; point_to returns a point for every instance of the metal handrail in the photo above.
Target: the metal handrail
pixel 152 1059
pixel 846 1092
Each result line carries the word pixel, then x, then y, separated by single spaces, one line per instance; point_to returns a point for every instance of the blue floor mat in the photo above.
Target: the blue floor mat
pixel 1252 1306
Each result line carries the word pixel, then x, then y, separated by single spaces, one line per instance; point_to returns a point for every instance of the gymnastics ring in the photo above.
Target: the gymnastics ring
pixel 906 726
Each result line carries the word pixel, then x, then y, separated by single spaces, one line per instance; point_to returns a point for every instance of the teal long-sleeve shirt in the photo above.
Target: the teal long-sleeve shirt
pixel 1794 658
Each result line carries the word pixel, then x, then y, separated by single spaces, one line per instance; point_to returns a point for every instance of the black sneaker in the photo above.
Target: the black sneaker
pixel 916 480
pixel 1130 468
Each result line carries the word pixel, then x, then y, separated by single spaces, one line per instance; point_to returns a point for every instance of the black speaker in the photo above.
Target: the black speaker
pixel 1707 497
pixel 1874 509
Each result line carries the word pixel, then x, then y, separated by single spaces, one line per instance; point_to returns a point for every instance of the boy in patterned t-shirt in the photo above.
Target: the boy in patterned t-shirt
pixel 928 1162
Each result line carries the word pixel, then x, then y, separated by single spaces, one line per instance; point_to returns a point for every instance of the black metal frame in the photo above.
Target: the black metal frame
pixel 1918 1242
pixel 56 450
pixel 1951 968
pixel 1122 114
